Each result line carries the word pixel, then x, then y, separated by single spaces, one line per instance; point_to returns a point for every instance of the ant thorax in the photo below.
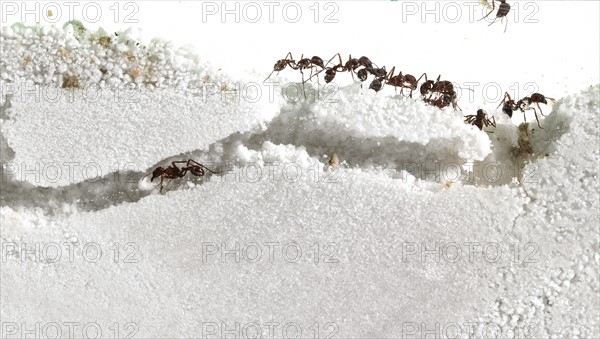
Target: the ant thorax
pixel 523 104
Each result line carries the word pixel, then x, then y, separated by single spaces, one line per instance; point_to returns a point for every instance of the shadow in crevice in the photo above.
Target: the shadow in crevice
pixel 295 125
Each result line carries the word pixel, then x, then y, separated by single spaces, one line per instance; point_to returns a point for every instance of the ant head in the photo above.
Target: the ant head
pixel 375 85
pixel 329 75
pixel 362 74
pixel 480 112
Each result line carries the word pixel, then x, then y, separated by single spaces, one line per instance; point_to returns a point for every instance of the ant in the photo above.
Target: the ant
pixel 404 81
pixel 509 105
pixel 174 172
pixel 446 90
pixel 330 72
pixel 537 98
pixel 443 101
pixel 443 87
pixel 480 120
pixel 302 64
pixel 306 63
pixel 503 10
pixel 283 63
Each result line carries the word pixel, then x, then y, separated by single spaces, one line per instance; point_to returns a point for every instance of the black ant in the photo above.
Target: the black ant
pixel 306 63
pixel 174 172
pixel 445 89
pixel 330 72
pixel 503 10
pixel 480 120
pixel 439 86
pixel 443 101
pixel 283 63
pixel 302 64
pixel 537 98
pixel 404 81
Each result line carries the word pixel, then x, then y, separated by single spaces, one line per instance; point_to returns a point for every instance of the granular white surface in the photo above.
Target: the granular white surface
pixel 533 271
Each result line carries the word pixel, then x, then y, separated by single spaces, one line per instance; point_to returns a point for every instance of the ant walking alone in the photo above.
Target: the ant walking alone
pixel 174 172
pixel 503 10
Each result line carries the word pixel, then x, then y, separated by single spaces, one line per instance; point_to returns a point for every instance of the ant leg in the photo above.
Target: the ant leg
pixel 491 23
pixel 536 118
pixel 178 162
pixel 494 121
pixel 269 76
pixel 339 58
pixel 506 25
pixel 303 87
pixel 161 184
pixel 311 75
pixel 504 99
pixel 538 105
pixel 391 73
pixel 327 63
pixel 422 75
pixel 490 12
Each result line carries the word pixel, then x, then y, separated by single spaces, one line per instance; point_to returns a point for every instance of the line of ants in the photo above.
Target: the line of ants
pixel 439 93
